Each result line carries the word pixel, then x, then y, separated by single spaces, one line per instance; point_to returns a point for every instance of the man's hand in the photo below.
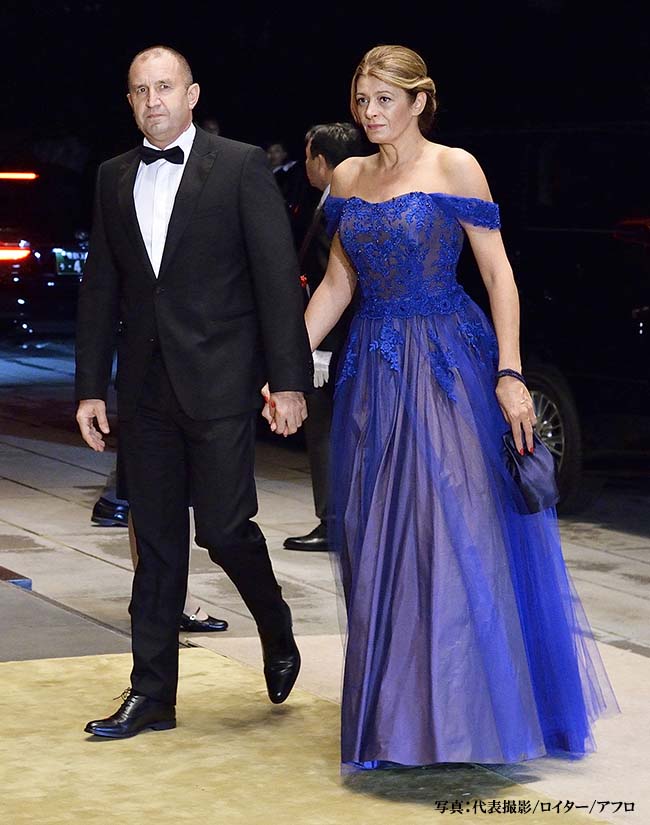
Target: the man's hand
pixel 287 410
pixel 89 410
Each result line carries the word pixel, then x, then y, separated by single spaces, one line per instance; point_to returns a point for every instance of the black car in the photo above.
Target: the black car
pixel 43 245
pixel 575 207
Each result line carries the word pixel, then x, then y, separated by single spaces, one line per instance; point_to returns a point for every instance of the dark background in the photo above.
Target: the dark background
pixel 269 72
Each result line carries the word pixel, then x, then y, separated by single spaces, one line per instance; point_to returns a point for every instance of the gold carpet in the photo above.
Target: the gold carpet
pixel 234 759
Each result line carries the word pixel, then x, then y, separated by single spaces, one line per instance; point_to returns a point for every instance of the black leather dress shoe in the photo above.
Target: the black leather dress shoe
pixel 135 714
pixel 316 540
pixel 110 514
pixel 190 624
pixel 281 664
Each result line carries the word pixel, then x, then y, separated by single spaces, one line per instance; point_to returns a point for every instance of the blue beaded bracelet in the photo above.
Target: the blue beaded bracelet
pixel 512 374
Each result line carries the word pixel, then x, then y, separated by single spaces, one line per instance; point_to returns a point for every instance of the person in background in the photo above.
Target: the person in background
pixel 112 511
pixel 281 162
pixel 326 145
pixel 211 125
pixel 291 177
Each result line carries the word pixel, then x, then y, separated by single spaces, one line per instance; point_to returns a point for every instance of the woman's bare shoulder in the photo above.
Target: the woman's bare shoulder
pixel 463 173
pixel 346 175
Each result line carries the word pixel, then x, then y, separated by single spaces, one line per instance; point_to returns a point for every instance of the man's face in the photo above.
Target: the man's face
pixel 319 173
pixel 277 154
pixel 162 103
pixel 312 167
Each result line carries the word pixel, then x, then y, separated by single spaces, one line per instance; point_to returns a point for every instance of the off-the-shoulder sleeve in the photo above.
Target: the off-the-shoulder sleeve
pixel 332 208
pixel 475 211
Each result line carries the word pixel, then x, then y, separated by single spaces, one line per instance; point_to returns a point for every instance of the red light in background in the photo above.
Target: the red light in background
pixel 18 175
pixel 14 253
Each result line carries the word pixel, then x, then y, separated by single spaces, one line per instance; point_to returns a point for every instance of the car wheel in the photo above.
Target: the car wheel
pixel 559 428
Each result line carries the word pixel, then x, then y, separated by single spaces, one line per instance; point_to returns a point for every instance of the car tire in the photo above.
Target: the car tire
pixel 558 426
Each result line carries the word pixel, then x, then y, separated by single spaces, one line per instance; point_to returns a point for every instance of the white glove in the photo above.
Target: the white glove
pixel 321 367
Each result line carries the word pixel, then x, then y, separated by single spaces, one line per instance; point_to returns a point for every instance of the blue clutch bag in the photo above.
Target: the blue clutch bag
pixel 534 474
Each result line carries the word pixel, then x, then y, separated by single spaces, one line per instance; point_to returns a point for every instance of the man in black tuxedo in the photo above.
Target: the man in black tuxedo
pixel 191 273
pixel 326 145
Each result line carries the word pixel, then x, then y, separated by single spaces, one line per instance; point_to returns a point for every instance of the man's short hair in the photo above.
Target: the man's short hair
pixel 155 50
pixel 335 142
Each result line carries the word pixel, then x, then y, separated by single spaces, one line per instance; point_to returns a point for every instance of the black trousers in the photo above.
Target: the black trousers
pixel 166 457
pixel 317 426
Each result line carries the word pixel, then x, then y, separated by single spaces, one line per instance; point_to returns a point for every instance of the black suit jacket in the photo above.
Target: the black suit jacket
pixel 226 309
pixel 314 256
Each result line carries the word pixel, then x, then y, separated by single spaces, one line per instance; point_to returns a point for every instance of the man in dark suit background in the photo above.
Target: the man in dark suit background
pixel 326 145
pixel 298 195
pixel 191 271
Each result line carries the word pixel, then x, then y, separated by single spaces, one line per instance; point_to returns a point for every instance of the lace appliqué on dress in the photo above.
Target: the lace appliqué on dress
pixel 472 210
pixel 349 367
pixel 482 341
pixel 387 344
pixel 333 208
pixel 443 364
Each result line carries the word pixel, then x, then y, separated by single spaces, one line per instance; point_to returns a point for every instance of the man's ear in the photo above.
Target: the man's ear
pixel 193 93
pixel 323 166
pixel 130 99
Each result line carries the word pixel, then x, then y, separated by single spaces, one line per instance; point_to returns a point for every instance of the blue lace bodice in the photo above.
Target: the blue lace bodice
pixel 405 252
pixel 405 249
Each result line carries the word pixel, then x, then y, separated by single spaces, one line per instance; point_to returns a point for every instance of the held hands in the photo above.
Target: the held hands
pixel 285 411
pixel 322 360
pixel 517 408
pixel 89 411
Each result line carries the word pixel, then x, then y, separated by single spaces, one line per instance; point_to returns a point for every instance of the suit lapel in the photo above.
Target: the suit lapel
pixel 125 185
pixel 197 169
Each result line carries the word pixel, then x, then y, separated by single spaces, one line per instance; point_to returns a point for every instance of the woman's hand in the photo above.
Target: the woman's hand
pixel 285 411
pixel 517 408
pixel 268 411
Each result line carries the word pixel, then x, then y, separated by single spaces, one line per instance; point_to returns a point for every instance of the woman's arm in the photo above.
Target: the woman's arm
pixel 497 275
pixel 466 179
pixel 329 301
pixel 335 291
pixel 333 295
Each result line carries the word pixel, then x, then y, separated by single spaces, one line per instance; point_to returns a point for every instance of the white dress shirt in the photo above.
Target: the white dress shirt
pixel 324 196
pixel 154 192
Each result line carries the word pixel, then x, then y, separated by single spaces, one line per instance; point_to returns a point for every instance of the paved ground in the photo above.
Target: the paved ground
pixel 49 481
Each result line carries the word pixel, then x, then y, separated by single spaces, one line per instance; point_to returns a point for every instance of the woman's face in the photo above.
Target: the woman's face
pixel 385 111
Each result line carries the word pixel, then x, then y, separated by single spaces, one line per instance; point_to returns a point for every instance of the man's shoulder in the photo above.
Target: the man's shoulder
pixel 232 148
pixel 118 161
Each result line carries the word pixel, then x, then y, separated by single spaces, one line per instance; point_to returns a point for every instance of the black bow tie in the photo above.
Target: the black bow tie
pixel 174 154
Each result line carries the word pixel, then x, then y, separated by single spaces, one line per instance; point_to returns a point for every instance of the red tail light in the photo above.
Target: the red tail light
pixel 14 253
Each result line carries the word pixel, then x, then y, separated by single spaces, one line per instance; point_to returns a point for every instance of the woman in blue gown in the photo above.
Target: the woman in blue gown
pixel 466 641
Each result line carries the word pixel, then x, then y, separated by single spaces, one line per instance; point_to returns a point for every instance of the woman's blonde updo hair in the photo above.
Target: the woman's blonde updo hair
pixel 400 67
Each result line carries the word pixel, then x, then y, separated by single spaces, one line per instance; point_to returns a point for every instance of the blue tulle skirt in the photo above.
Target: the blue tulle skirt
pixel 466 640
